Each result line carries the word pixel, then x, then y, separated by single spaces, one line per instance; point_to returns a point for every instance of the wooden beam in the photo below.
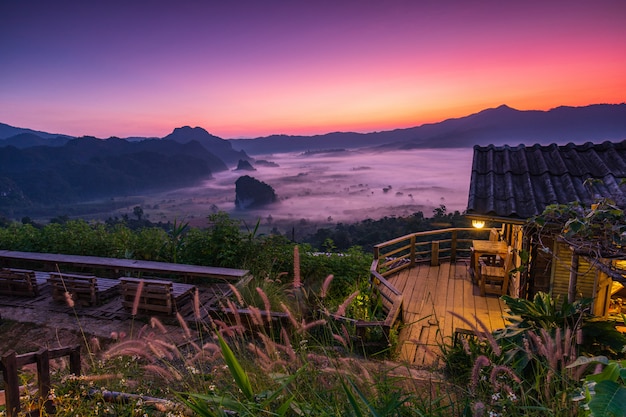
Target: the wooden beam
pixel 573 279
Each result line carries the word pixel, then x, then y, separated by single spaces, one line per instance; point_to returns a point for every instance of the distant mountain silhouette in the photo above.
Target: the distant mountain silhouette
pixel 89 168
pixel 26 140
pixel 7 131
pixel 499 126
pixel 218 146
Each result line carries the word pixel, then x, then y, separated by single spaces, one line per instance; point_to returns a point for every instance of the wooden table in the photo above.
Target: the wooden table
pixel 487 247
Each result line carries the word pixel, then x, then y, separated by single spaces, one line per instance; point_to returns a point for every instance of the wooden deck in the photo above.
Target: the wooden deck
pixel 119 267
pixel 112 308
pixel 430 294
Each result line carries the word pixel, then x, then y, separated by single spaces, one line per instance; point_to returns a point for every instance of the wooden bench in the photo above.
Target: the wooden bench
pixel 157 296
pixel 18 283
pixel 86 290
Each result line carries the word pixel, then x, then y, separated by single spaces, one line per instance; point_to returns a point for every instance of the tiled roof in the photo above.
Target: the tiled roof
pixel 519 182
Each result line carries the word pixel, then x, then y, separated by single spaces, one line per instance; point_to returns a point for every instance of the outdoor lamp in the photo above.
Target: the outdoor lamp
pixel 479 224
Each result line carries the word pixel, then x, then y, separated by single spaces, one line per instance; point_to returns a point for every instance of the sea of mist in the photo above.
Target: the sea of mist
pixel 333 187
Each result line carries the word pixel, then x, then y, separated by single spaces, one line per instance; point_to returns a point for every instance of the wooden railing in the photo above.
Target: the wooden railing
pixel 432 246
pixel 10 364
pixel 406 251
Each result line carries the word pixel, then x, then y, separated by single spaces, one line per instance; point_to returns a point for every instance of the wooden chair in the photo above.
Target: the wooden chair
pixel 156 295
pixel 18 283
pixel 494 277
pixel 85 290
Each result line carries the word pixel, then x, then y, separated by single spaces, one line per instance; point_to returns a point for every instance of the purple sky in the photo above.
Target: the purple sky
pixel 253 68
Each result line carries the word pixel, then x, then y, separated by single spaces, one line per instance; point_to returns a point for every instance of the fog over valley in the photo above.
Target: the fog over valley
pixel 338 186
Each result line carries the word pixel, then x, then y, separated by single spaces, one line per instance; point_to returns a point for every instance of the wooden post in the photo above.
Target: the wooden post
pixel 573 279
pixel 43 378
pixel 75 360
pixel 413 250
pixel 453 247
pixel 12 383
pixel 434 254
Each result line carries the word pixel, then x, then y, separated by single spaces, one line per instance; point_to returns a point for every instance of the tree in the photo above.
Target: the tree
pixel 138 211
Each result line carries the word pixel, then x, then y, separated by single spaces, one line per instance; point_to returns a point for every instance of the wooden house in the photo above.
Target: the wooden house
pixel 510 185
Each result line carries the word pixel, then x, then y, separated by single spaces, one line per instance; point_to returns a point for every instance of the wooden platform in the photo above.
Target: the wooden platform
pixel 119 267
pixel 430 294
pixel 112 308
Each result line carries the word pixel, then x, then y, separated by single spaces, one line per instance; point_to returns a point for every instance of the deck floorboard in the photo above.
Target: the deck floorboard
pixel 432 294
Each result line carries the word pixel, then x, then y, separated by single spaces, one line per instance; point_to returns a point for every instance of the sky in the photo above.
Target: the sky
pixel 245 69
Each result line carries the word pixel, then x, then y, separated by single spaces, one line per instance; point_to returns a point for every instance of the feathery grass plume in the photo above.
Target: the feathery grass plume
pixel 237 294
pixel 183 324
pixel 103 377
pixel 235 311
pixel 196 304
pixel 498 373
pixel 344 306
pixel 320 361
pixel 137 297
pixel 140 352
pixel 270 345
pixel 159 351
pixel 290 316
pixel 261 356
pixel 326 285
pixel 257 320
pixel 340 340
pixel 489 336
pixel 266 302
pixel 169 346
pixel 287 345
pixel 166 374
pixel 94 343
pixel 223 328
pixel 69 300
pixel 308 326
pixel 211 347
pixel 154 322
pixel 344 330
pixel 291 354
pixel 481 362
pixel 297 283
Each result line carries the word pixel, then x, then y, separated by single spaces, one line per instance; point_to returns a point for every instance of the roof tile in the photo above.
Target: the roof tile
pixel 519 182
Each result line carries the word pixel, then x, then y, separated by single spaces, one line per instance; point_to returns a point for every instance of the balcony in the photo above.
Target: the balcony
pixel 424 281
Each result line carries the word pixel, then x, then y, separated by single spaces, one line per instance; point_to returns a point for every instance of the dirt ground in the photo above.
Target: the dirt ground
pixel 27 330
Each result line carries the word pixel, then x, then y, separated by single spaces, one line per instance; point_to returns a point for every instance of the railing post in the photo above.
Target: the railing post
pixel 43 378
pixel 453 247
pixel 412 250
pixel 376 257
pixel 75 361
pixel 12 383
pixel 434 253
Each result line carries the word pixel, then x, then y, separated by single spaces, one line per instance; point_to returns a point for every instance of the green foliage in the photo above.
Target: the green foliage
pixel 543 312
pixel 605 392
pixel 367 233
pixel 601 227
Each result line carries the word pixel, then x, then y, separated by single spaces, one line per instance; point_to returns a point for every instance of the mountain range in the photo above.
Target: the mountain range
pixel 502 125
pixel 42 169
